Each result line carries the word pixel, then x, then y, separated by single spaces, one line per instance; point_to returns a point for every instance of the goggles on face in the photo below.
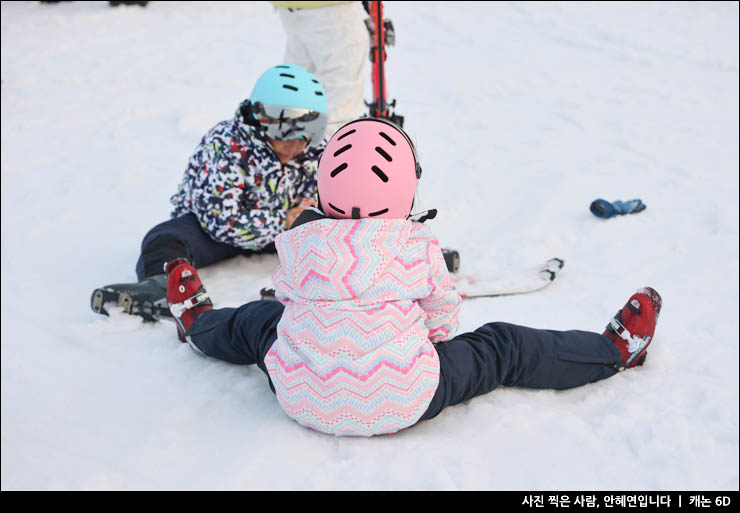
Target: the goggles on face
pixel 283 123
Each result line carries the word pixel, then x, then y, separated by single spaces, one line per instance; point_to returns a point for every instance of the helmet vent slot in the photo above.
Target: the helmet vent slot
pixel 286 86
pixel 337 209
pixel 383 153
pixel 345 135
pixel 287 75
pixel 318 93
pixel 387 138
pixel 380 173
pixel 342 150
pixel 379 212
pixel 338 170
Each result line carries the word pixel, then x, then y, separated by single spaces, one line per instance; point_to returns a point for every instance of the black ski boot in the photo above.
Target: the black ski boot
pixel 147 299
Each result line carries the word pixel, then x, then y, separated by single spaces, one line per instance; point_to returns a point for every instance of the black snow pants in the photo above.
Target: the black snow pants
pixel 471 364
pixel 184 237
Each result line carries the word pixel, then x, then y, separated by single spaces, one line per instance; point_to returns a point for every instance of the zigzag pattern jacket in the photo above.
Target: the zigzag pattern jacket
pixel 364 301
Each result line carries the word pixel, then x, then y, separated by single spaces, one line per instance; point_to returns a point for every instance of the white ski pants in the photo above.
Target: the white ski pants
pixel 333 43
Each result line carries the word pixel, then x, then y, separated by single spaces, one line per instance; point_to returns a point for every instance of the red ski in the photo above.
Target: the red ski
pixel 382 34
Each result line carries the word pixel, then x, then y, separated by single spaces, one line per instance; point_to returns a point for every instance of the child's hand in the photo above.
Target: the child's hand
pixel 292 214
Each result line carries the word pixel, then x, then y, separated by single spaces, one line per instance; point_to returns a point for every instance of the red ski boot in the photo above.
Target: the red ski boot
pixel 631 330
pixel 186 296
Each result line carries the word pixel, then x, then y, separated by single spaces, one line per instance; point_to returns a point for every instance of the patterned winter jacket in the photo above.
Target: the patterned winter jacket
pixel 237 187
pixel 364 300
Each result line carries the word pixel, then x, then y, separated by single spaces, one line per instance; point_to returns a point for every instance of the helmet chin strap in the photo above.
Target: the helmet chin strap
pixel 423 216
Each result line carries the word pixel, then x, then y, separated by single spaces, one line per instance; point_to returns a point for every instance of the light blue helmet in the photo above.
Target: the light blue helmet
pixel 290 103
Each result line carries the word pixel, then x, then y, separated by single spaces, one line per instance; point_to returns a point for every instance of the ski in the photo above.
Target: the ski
pixel 382 33
pixel 508 283
pixel 522 281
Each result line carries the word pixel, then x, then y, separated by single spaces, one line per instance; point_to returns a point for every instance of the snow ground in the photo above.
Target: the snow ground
pixel 523 114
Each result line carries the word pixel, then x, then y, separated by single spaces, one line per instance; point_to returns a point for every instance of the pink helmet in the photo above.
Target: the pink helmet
pixel 368 169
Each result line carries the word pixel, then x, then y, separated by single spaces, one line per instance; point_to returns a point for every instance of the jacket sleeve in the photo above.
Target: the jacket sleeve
pixel 281 282
pixel 220 197
pixel 442 306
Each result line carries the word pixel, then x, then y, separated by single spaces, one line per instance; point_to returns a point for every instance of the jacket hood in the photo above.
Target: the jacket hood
pixel 338 259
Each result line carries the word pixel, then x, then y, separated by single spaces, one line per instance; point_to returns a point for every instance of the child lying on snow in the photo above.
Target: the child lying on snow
pixel 361 340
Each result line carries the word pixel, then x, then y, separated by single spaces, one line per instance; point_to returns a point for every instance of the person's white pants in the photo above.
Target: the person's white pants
pixel 333 43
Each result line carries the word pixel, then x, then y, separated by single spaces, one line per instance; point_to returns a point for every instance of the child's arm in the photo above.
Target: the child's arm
pixel 221 201
pixel 281 282
pixel 442 306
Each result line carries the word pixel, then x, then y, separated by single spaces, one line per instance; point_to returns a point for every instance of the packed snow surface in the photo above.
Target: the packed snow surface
pixel 523 113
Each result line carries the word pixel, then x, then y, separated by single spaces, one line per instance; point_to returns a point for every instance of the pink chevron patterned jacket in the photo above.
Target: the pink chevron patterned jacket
pixel 364 300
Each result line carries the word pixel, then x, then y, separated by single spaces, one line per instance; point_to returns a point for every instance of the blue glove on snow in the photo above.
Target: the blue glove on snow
pixel 604 209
